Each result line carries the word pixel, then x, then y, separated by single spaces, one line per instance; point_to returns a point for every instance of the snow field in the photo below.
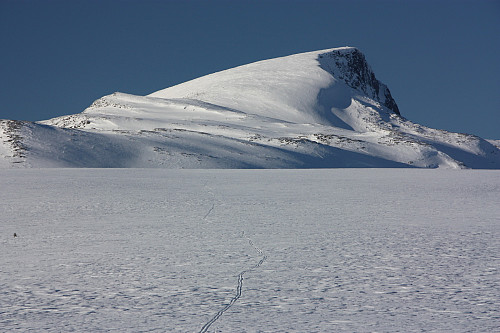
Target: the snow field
pixel 136 250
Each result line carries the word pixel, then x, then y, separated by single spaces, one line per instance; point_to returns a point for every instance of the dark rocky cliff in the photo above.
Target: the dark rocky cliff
pixel 349 65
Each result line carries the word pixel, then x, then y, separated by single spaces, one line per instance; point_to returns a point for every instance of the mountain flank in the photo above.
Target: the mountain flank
pixel 322 109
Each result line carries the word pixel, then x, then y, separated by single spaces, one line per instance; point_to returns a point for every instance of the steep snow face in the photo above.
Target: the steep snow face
pixel 322 109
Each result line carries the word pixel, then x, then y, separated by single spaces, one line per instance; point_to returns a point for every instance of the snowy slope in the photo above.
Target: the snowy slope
pixel 309 110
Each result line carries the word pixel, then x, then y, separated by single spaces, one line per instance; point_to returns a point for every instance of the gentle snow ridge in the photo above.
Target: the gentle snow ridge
pixel 310 110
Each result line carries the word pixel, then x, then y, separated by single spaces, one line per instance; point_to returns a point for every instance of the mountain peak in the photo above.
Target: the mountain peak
pixel 310 110
pixel 349 65
pixel 302 88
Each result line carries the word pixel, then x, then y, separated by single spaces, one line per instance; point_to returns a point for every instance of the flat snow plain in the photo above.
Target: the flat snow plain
pixel 148 250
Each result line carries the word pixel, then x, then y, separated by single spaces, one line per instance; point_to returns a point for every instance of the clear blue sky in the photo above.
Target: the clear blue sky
pixel 439 58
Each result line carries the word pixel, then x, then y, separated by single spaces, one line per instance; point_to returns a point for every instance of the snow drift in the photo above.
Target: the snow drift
pixel 311 110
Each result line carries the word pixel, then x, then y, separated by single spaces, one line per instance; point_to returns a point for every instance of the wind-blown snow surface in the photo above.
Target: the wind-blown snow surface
pixel 343 250
pixel 310 110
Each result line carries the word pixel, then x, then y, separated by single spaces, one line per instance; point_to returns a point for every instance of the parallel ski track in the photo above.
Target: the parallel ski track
pixel 239 289
pixel 239 286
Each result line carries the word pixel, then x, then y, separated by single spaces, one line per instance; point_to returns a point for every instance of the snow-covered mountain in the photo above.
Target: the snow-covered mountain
pixel 311 110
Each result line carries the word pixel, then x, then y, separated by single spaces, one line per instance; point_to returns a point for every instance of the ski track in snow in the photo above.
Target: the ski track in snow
pixel 209 211
pixel 239 287
pixel 350 250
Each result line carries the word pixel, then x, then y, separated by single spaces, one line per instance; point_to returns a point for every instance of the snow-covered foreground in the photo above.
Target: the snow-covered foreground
pixel 136 250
